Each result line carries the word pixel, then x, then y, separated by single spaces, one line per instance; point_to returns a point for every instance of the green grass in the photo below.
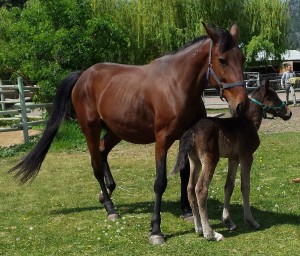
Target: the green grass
pixel 59 213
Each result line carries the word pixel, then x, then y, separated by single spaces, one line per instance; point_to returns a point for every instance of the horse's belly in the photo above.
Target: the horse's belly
pixel 134 134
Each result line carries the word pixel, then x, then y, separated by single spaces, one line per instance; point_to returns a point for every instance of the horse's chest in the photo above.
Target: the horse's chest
pixel 227 146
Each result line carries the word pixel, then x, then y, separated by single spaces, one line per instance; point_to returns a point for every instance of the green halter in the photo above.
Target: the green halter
pixel 266 109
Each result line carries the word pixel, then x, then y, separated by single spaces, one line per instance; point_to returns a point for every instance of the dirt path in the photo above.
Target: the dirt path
pixel 12 138
pixel 268 126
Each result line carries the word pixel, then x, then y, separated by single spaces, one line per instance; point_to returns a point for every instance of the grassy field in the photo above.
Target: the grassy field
pixel 59 213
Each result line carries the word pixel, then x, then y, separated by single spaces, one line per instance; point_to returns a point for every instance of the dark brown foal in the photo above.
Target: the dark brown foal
pixel 233 138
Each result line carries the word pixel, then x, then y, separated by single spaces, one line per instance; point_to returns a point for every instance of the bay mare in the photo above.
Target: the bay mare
pixel 156 102
pixel 233 138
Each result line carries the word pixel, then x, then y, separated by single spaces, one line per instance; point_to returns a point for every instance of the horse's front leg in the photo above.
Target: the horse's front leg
pixel 228 190
pixel 160 184
pixel 246 163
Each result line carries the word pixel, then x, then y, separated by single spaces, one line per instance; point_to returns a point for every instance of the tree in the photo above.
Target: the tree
pixel 48 38
pixel 17 3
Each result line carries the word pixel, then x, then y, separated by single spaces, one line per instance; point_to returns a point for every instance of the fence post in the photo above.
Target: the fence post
pixel 23 109
pixel 2 97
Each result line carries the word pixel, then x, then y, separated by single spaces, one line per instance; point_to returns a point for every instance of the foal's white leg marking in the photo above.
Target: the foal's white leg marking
pixel 228 189
pixel 245 179
pixel 194 172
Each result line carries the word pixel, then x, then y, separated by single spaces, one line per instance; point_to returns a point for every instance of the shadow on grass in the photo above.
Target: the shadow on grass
pixel 266 219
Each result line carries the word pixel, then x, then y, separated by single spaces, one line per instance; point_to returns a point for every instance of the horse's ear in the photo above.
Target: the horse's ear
pixel 234 32
pixel 211 33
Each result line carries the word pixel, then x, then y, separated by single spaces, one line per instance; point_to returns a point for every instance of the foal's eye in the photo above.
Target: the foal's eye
pixel 222 61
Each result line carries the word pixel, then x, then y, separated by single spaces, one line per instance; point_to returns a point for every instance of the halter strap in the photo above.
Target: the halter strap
pixel 266 108
pixel 222 85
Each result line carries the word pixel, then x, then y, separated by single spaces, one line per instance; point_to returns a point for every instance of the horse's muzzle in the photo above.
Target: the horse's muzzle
pixel 287 116
pixel 241 109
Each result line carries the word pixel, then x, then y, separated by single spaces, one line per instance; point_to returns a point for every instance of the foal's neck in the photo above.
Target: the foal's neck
pixel 255 113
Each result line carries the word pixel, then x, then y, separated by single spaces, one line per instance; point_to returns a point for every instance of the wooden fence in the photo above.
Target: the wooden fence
pixel 18 114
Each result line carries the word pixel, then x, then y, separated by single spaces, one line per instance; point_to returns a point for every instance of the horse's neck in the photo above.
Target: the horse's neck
pixel 192 64
pixel 255 114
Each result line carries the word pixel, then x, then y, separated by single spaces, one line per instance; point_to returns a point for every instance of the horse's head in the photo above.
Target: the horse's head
pixel 225 68
pixel 271 103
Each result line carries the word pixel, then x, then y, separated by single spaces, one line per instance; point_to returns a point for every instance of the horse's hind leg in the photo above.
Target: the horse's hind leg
pixel 106 144
pixel 91 129
pixel 228 190
pixel 246 163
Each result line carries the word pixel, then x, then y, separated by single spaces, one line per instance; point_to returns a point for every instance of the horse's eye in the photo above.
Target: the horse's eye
pixel 222 61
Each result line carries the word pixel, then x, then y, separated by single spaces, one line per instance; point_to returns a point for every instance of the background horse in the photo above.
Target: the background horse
pixel 232 138
pixel 144 104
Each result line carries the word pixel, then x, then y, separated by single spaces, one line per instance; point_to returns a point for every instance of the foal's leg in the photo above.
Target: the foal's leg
pixel 228 190
pixel 209 163
pixel 106 144
pixel 194 173
pixel 184 202
pixel 246 163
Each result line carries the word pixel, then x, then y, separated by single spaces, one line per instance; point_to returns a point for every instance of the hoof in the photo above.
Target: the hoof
pixel 229 224
pixel 188 217
pixel 214 237
pixel 157 239
pixel 219 237
pixel 113 217
pixel 253 224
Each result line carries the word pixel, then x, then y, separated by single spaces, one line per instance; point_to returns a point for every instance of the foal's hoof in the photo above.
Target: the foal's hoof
pixel 188 216
pixel 253 224
pixel 215 236
pixel 229 224
pixel 157 239
pixel 113 217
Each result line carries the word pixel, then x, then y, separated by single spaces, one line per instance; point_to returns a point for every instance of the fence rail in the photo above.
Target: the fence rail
pixel 20 107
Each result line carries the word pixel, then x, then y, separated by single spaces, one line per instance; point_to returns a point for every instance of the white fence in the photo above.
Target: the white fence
pixel 17 115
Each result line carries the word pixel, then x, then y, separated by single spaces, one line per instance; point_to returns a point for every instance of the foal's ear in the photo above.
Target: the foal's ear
pixel 264 85
pixel 234 32
pixel 211 33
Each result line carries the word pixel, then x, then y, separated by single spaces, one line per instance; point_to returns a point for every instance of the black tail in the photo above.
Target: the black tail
pixel 29 167
pixel 185 146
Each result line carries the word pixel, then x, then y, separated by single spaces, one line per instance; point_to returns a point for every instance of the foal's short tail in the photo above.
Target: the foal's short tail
pixel 185 146
pixel 29 167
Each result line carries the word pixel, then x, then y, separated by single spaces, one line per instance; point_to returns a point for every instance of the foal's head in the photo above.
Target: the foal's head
pixel 270 102
pixel 225 70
